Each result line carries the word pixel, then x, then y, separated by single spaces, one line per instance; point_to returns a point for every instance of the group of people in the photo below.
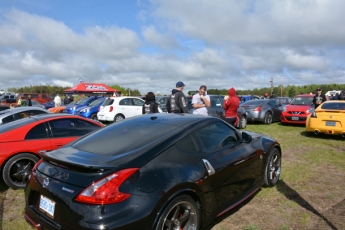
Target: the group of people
pixel 24 102
pixel 177 103
pixel 57 100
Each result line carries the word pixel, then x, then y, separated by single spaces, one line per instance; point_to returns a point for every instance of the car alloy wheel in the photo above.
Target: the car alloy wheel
pixel 268 118
pixel 181 213
pixel 243 122
pixel 118 117
pixel 273 168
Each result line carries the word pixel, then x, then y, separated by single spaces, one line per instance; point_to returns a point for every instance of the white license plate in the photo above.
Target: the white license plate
pixel 295 118
pixel 330 123
pixel 47 206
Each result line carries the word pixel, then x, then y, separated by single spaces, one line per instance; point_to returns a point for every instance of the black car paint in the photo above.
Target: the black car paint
pixel 154 186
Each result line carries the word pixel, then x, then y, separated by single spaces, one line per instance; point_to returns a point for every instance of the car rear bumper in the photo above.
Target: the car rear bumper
pixel 319 126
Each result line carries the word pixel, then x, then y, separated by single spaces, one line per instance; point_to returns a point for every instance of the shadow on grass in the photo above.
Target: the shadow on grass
pixel 292 195
pixel 322 136
pixel 3 190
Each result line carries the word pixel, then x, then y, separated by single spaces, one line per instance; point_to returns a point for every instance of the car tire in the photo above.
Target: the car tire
pixel 94 117
pixel 119 117
pixel 268 118
pixel 242 122
pixel 273 168
pixel 181 213
pixel 17 170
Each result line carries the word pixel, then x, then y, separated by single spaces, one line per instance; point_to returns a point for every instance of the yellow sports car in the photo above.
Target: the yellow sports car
pixel 328 118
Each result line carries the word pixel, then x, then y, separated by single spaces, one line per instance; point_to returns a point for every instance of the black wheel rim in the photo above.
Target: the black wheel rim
pixel 182 215
pixel 269 118
pixel 20 171
pixel 275 167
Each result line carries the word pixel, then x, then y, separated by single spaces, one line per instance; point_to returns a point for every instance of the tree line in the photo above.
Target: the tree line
pixel 289 91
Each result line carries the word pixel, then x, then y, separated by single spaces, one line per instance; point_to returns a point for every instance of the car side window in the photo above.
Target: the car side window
pixel 8 119
pixel 216 136
pixel 216 102
pixel 34 95
pixel 137 102
pixel 37 132
pixel 71 127
pixel 187 144
pixel 44 96
pixel 125 101
pixel 272 103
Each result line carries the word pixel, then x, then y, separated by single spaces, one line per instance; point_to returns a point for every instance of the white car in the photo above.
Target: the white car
pixel 119 108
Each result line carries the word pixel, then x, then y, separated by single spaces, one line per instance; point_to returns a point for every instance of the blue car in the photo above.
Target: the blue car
pixel 86 101
pixel 245 98
pixel 49 104
pixel 91 110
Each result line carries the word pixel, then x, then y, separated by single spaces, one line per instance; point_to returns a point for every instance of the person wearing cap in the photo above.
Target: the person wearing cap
pixel 201 101
pixel 319 98
pixel 176 103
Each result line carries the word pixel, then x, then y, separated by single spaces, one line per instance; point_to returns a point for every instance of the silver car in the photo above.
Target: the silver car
pixel 263 110
pixel 9 115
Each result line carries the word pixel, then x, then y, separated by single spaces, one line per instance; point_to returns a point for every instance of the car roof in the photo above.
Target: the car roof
pixel 305 95
pixel 20 109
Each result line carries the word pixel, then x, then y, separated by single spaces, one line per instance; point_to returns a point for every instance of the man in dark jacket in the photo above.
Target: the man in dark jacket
pixel 319 98
pixel 177 101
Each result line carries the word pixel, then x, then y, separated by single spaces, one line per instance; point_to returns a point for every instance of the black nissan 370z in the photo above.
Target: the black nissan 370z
pixel 155 171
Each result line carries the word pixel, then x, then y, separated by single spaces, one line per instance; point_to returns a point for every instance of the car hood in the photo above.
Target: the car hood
pixel 297 107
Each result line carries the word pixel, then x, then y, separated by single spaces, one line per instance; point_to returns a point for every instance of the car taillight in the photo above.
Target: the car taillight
pixel 111 108
pixel 106 190
pixel 258 108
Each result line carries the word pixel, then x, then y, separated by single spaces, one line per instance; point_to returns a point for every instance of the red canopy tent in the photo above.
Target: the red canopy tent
pixel 91 88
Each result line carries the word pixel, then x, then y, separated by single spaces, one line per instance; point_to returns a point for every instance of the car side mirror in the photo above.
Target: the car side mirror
pixel 246 138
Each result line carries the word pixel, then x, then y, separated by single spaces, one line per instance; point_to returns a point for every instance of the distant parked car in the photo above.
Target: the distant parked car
pixel 4 107
pixel 283 100
pixel 49 104
pixel 328 118
pixel 34 104
pixel 244 98
pixel 162 101
pixel 298 110
pixel 118 108
pixel 86 101
pixel 10 115
pixel 263 110
pixel 21 140
pixel 91 110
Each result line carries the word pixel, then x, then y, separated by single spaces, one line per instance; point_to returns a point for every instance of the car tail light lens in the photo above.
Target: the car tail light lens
pixel 106 190
pixel 258 108
pixel 111 108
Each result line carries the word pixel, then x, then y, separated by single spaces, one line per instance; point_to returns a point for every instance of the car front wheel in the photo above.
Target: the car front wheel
pixel 119 117
pixel 17 170
pixel 181 213
pixel 273 168
pixel 242 123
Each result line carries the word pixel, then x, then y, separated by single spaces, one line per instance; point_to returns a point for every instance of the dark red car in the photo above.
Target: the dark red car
pixel 21 140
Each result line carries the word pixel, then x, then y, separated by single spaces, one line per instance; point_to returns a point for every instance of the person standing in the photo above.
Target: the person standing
pixel 176 103
pixel 201 101
pixel 57 100
pixel 319 98
pixel 230 106
pixel 29 100
pixel 150 105
pixel 65 100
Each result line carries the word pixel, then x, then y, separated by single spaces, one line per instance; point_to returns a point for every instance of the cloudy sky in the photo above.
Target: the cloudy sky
pixel 149 45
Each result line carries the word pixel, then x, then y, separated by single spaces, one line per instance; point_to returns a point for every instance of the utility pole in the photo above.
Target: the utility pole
pixel 271 85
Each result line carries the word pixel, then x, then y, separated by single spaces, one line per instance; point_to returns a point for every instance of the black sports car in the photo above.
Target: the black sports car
pixel 156 171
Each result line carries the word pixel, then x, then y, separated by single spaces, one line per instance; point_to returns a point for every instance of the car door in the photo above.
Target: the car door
pixel 276 109
pixel 126 108
pixel 39 136
pixel 235 165
pixel 138 104
pixel 64 130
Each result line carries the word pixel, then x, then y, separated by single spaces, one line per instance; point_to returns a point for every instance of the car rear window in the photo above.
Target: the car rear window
pixel 122 137
pixel 333 106
pixel 108 101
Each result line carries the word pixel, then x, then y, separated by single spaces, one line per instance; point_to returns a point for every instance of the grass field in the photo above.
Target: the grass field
pixel 310 194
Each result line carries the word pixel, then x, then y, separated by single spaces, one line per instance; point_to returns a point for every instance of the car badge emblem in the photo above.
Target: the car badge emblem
pixel 45 182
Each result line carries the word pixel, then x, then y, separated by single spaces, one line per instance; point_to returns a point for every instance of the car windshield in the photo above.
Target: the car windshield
pixel 301 101
pixel 97 102
pixel 82 101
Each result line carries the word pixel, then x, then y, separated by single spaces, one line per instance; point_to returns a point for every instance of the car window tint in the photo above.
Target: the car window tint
pixel 333 106
pixel 216 136
pixel 71 127
pixel 33 95
pixel 272 103
pixel 8 119
pixel 137 102
pixel 37 132
pixel 187 144
pixel 216 102
pixel 108 101
pixel 125 101
pixel 114 139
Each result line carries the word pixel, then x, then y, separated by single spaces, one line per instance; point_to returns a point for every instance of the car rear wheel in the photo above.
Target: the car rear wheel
pixel 243 122
pixel 119 117
pixel 268 118
pixel 273 168
pixel 17 170
pixel 181 213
